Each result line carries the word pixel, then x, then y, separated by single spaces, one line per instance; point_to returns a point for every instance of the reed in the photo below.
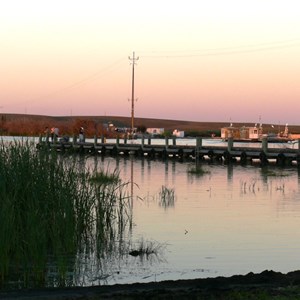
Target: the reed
pixel 275 172
pixel 251 187
pixel 146 248
pixel 50 210
pixel 197 170
pixel 105 177
pixel 166 197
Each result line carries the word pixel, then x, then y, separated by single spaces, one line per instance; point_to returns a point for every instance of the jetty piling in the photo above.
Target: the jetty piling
pixel 227 153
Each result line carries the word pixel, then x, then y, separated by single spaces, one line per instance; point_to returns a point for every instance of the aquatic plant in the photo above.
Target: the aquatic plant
pixel 251 187
pixel 197 170
pixel 280 188
pixel 146 248
pixel 166 197
pixel 105 177
pixel 50 210
pixel 275 172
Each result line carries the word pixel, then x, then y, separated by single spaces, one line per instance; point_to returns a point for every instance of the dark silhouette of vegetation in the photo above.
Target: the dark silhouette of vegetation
pixel 28 126
pixel 141 128
pixel 206 133
pixel 34 125
pixel 50 210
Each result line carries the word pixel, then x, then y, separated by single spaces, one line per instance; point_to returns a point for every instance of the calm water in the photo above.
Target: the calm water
pixel 232 220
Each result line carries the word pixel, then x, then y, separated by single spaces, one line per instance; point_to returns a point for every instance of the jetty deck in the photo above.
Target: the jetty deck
pixel 148 147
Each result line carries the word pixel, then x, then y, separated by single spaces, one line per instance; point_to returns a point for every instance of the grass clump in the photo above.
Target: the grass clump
pixel 277 172
pixel 197 170
pixel 49 212
pixel 166 197
pixel 146 248
pixel 104 177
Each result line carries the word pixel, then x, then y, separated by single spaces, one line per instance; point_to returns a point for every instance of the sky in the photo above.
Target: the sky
pixel 207 61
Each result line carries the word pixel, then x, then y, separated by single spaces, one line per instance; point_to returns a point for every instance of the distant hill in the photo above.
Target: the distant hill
pixel 67 121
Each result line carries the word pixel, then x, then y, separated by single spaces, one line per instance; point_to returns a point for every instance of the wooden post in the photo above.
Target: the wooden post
pixel 125 140
pixel 264 144
pixel 102 139
pixel 134 59
pixel 167 141
pixel 74 139
pixel 174 140
pixel 198 147
pixel 298 156
pixel 198 143
pixel 143 141
pixel 95 140
pixel 230 143
pixel 149 141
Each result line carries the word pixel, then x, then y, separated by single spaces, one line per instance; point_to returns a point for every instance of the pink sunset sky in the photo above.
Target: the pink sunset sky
pixel 235 61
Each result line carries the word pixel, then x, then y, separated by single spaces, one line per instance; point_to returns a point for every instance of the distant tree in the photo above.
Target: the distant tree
pixel 88 125
pixel 3 128
pixel 205 133
pixel 167 133
pixel 141 128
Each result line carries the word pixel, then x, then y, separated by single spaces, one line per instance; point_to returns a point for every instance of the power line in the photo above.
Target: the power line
pixel 171 54
pixel 223 51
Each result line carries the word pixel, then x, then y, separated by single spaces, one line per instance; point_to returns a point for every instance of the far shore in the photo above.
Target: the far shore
pixel 40 122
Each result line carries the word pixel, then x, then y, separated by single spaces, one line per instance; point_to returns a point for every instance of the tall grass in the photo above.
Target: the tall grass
pixel 50 210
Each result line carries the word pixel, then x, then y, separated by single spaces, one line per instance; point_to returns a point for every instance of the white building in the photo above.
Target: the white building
pixel 178 133
pixel 155 131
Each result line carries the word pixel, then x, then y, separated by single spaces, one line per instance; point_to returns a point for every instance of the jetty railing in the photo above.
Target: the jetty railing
pixel 228 151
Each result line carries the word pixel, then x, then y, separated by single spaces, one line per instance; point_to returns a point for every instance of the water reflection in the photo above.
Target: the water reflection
pixel 229 172
pixel 233 219
pixel 228 198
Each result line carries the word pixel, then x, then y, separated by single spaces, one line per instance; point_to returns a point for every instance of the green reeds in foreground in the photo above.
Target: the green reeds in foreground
pixel 50 211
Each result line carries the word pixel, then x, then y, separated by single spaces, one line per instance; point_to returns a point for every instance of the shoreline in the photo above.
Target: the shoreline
pixel 265 284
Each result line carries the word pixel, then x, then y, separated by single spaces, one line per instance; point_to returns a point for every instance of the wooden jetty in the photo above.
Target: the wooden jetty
pixel 147 147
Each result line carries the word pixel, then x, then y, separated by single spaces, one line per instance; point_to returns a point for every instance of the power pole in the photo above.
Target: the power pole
pixel 133 59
